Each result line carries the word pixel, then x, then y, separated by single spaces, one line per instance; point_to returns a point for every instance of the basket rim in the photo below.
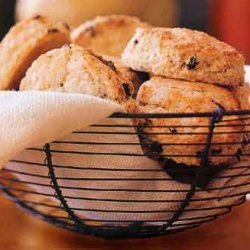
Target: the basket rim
pixel 181 115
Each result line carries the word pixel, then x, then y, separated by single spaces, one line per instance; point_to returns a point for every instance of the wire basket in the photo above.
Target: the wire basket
pixel 103 181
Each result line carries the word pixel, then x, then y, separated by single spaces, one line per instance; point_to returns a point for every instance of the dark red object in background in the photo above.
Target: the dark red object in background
pixel 230 22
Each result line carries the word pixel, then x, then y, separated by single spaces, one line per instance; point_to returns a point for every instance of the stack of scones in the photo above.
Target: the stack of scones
pixel 145 69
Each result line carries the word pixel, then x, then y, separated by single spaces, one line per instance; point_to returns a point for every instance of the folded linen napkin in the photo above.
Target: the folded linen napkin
pixel 34 118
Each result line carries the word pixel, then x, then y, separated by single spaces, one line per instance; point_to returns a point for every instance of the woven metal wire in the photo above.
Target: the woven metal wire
pixel 26 194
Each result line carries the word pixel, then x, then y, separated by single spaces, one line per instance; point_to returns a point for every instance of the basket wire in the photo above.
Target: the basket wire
pixel 63 215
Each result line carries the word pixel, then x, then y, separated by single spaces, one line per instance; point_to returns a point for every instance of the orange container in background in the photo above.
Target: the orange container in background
pixel 230 22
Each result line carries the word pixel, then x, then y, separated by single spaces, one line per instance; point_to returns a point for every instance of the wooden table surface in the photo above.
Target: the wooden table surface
pixel 20 231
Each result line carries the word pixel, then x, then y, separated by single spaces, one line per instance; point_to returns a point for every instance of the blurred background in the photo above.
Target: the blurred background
pixel 228 20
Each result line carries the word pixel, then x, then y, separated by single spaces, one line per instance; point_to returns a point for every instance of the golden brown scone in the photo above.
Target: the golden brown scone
pixel 106 34
pixel 180 53
pixel 25 42
pixel 74 69
pixel 161 95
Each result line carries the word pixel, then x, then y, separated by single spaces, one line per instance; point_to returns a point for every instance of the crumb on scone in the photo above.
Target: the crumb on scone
pixel 24 43
pixel 186 54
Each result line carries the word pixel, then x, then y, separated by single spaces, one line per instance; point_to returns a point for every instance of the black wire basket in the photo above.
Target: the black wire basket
pixel 109 181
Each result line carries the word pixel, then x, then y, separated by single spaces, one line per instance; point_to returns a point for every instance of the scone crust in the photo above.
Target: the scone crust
pixel 124 72
pixel 77 70
pixel 242 93
pixel 186 54
pixel 24 43
pixel 106 34
pixel 161 95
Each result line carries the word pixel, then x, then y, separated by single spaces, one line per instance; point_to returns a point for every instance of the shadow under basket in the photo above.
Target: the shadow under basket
pixel 104 181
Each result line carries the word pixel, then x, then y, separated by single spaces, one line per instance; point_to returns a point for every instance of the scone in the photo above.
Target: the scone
pixel 106 34
pixel 25 42
pixel 183 139
pixel 74 69
pixel 180 53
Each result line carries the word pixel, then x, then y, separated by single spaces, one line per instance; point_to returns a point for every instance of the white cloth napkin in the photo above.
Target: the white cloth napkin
pixel 34 118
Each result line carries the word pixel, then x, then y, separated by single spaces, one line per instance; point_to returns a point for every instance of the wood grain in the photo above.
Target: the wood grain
pixel 22 232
